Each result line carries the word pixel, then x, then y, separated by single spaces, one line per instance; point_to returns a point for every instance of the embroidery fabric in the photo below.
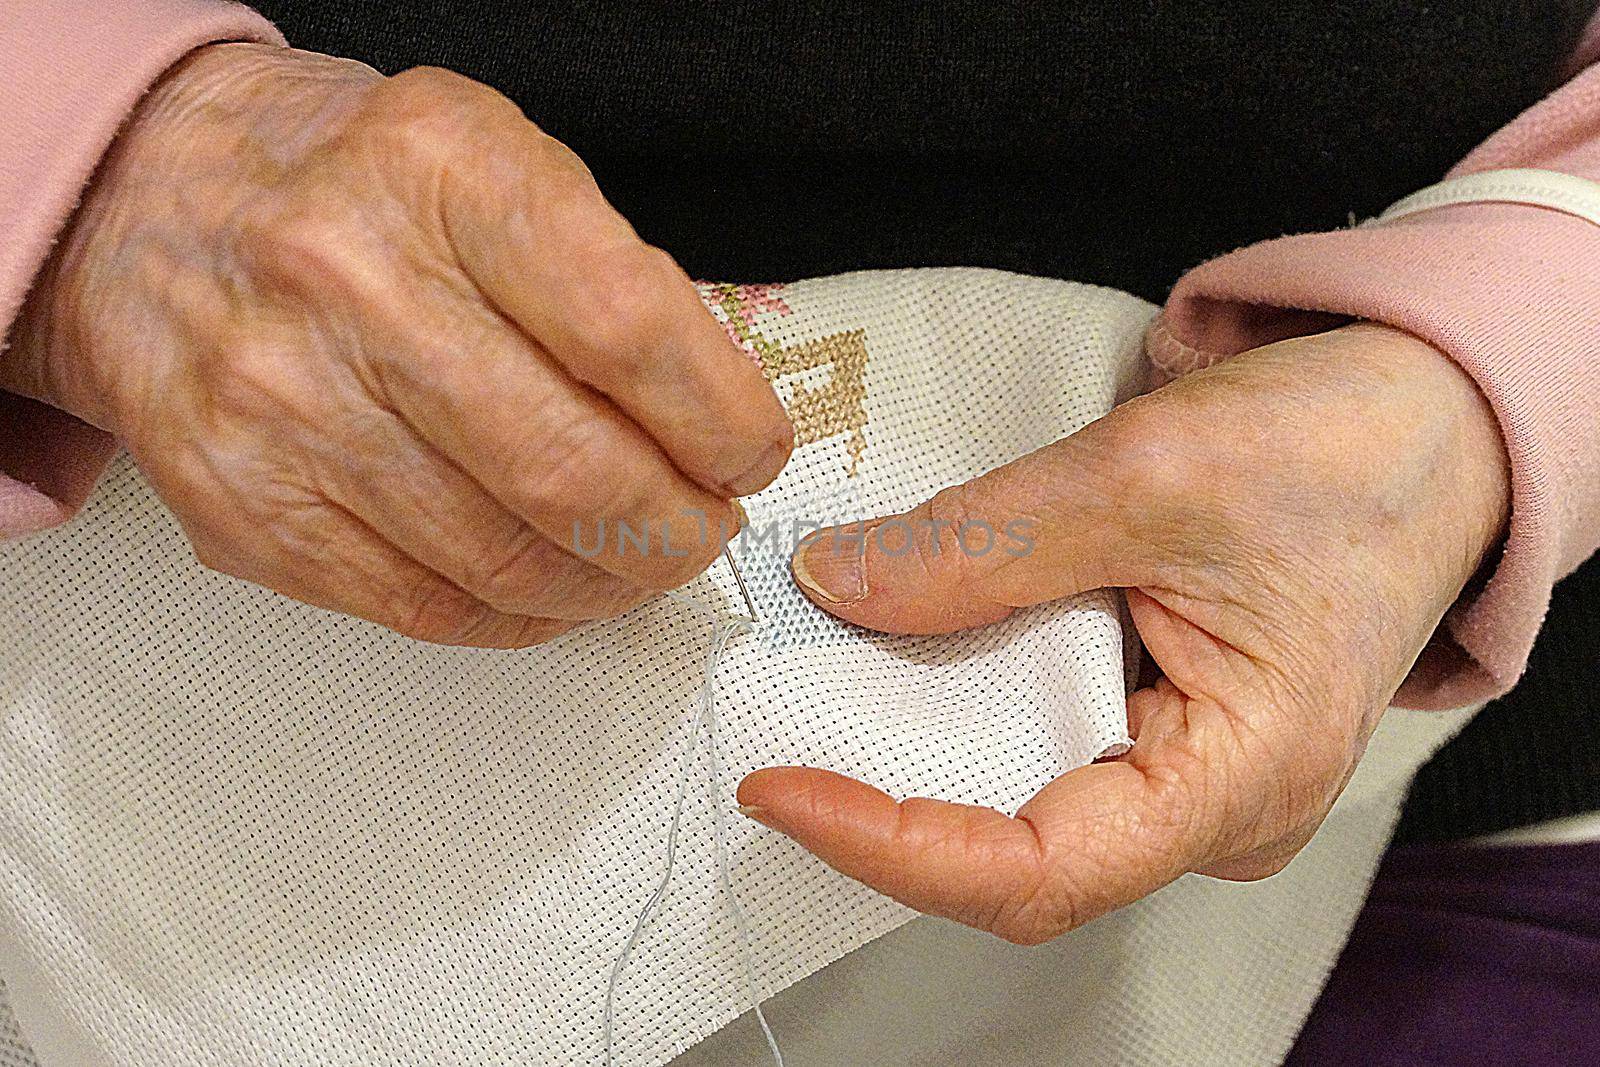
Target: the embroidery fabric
pixel 237 829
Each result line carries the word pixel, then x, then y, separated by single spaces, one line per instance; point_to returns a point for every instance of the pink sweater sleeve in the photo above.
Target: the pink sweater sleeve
pixel 1512 293
pixel 70 73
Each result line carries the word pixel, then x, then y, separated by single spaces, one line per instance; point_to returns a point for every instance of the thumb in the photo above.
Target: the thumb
pixel 1045 526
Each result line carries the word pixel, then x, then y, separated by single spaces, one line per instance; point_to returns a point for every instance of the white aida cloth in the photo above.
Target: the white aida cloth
pixel 238 830
pixel 1202 973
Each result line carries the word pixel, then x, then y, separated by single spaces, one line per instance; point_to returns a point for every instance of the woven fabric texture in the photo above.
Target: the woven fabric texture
pixel 1203 973
pixel 236 829
pixel 14 1048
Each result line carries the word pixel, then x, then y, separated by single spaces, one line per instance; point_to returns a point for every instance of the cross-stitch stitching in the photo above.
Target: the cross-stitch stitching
pixel 837 407
pixel 818 412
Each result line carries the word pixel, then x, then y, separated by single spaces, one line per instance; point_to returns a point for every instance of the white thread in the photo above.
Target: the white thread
pixel 700 605
pixel 722 632
pixel 724 863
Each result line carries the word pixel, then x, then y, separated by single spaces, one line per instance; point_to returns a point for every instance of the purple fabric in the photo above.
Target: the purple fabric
pixel 1468 954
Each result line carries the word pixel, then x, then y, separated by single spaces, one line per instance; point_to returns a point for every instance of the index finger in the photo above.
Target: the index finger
pixel 1093 840
pixel 1081 847
pixel 531 228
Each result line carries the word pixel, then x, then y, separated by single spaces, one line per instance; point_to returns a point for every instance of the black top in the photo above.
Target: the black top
pixel 1109 141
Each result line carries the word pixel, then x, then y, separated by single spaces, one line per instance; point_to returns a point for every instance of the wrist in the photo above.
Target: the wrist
pixel 1456 451
pixel 167 185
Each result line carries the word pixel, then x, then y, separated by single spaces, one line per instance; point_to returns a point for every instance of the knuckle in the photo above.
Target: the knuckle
pixel 574 222
pixel 527 632
pixel 189 487
pixel 1151 473
pixel 533 577
pixel 424 138
pixel 440 614
pixel 940 540
pixel 1265 866
pixel 561 170
pixel 1031 913
pixel 514 576
pixel 572 472
pixel 1252 867
pixel 582 593
pixel 299 249
pixel 428 115
pixel 1041 904
pixel 442 92
pixel 1180 801
pixel 624 305
pixel 605 600
pixel 1137 452
pixel 428 83
pixel 949 508
pixel 510 631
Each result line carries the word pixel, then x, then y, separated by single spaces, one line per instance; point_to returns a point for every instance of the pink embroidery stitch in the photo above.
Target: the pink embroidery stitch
pixel 736 307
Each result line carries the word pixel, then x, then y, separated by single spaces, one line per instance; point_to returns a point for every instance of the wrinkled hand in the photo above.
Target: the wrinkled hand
pixel 1290 527
pixel 379 343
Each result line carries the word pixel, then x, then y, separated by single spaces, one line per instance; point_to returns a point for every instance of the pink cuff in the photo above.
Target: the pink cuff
pixel 1512 293
pixel 73 74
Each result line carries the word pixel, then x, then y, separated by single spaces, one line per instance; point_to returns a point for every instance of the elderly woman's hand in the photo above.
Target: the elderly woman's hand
pixel 379 343
pixel 1290 527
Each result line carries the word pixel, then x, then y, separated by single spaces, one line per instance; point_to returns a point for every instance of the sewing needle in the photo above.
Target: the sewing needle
pixel 744 591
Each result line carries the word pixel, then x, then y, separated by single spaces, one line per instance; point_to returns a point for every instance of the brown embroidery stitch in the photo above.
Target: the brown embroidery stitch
pixel 837 407
pixel 819 412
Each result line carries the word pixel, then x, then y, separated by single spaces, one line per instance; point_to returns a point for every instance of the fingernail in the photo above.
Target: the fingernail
pixel 831 567
pixel 759 474
pixel 741 514
pixel 754 811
